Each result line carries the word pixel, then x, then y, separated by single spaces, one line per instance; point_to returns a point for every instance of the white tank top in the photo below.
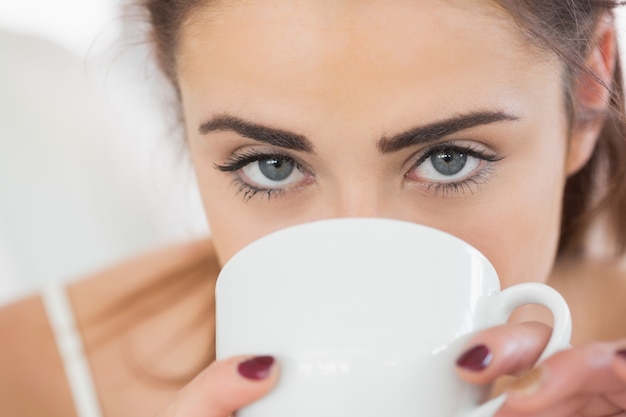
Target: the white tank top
pixel 69 343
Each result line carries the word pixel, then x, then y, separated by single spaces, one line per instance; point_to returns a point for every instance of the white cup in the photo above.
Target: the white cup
pixel 367 317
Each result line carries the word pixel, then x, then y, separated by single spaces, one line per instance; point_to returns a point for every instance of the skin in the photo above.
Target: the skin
pixel 344 78
pixel 345 74
pixel 339 75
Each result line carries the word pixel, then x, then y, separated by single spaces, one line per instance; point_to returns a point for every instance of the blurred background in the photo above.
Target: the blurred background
pixel 92 168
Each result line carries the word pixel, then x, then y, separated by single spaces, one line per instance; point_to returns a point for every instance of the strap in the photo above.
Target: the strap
pixel 70 347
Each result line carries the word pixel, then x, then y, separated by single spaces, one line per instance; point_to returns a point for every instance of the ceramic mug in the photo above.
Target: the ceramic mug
pixel 366 318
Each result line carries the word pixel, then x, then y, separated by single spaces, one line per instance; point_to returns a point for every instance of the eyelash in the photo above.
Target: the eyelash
pixel 238 161
pixel 466 184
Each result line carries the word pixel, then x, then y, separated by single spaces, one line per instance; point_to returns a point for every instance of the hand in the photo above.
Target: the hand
pixel 585 381
pixel 224 387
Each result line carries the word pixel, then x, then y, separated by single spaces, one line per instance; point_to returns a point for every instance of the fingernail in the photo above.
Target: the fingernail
pixel 527 384
pixel 621 354
pixel 475 359
pixel 256 368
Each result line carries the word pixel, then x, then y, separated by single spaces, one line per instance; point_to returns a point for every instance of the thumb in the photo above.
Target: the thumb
pixel 224 387
pixel 508 349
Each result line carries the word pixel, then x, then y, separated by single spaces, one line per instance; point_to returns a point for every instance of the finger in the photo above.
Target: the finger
pixel 619 362
pixel 502 350
pixel 225 387
pixel 565 409
pixel 583 370
pixel 600 405
pixel 619 368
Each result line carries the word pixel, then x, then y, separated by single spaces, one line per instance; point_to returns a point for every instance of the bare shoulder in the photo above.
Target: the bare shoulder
pixel 596 293
pixel 32 378
pixel 139 273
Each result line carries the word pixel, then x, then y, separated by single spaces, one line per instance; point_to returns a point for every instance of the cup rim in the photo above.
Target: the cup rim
pixel 331 223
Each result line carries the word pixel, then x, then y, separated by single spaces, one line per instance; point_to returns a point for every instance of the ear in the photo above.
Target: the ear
pixel 592 95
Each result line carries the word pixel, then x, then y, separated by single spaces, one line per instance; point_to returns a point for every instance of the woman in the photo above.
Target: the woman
pixel 500 122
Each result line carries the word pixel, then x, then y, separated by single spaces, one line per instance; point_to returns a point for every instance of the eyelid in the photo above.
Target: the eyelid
pixel 246 155
pixel 472 147
pixel 243 157
pixel 477 178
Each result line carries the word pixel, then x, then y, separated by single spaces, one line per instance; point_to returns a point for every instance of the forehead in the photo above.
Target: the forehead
pixel 354 51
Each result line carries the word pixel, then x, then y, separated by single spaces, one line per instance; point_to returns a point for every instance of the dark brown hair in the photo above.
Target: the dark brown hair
pixel 597 193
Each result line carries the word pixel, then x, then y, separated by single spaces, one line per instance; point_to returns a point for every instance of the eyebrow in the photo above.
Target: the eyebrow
pixel 416 136
pixel 272 136
pixel 438 130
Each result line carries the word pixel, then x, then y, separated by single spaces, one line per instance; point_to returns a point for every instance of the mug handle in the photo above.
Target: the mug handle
pixel 504 303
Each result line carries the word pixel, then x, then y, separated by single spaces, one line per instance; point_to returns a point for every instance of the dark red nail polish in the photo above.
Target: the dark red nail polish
pixel 256 368
pixel 475 359
pixel 621 353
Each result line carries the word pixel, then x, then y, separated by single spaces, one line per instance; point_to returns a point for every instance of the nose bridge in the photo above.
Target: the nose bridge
pixel 367 186
pixel 365 199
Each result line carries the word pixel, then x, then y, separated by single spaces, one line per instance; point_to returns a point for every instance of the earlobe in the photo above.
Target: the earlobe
pixel 592 95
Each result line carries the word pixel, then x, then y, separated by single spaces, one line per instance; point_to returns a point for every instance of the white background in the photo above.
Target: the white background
pixel 91 168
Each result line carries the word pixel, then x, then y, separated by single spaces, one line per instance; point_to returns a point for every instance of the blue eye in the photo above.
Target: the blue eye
pixel 276 169
pixel 265 173
pixel 271 172
pixel 448 164
pixel 452 168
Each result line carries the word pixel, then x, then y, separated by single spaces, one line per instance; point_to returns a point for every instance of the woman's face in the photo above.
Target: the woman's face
pixel 434 112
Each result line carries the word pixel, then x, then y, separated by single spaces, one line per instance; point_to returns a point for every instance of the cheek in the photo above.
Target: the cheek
pixel 523 248
pixel 525 222
pixel 229 229
pixel 234 223
pixel 228 237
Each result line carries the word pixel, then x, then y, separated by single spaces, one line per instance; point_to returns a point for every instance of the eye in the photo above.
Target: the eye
pixel 271 172
pixel 447 164
pixel 450 168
